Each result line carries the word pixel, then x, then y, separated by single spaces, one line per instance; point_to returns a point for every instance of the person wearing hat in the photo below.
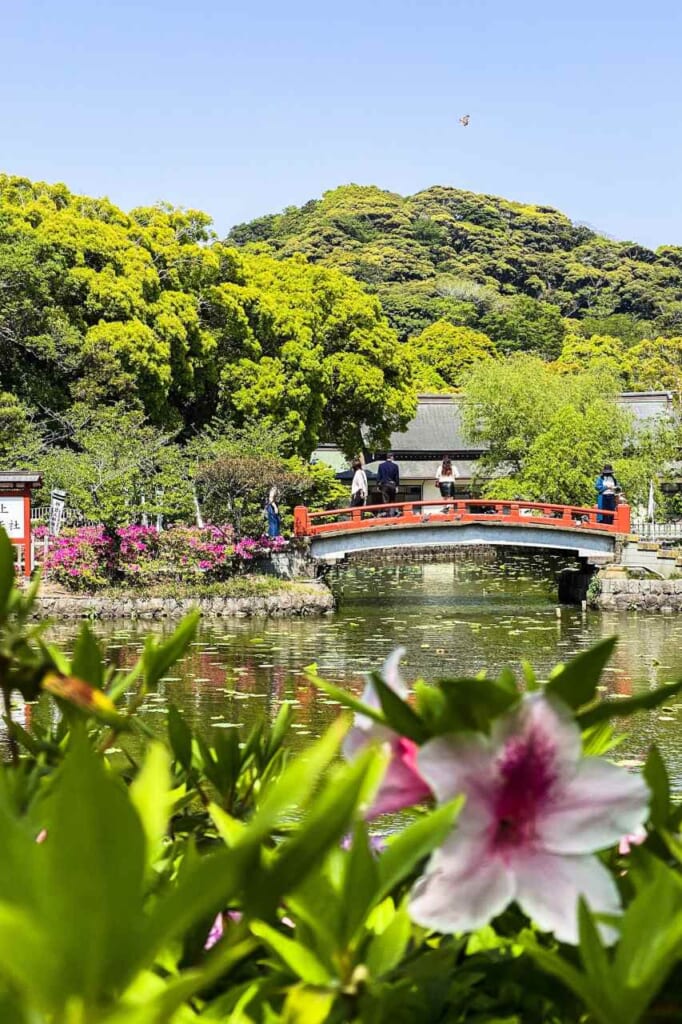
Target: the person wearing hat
pixel 607 488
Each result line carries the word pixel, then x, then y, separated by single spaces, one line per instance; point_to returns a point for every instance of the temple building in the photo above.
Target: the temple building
pixel 436 430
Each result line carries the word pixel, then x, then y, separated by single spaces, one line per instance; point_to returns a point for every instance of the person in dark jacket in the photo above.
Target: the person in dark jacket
pixel 388 478
pixel 607 488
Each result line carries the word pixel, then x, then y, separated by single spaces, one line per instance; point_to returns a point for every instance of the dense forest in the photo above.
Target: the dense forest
pixel 516 277
pixel 318 324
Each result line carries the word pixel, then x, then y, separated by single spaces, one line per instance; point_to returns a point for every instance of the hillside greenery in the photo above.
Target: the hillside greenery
pixel 527 277
pixel 318 324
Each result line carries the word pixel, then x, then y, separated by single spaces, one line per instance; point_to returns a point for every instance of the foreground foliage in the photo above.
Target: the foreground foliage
pixel 215 878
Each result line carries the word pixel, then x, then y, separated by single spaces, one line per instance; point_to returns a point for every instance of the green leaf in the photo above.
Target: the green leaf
pixel 346 699
pixel 301 961
pixel 23 944
pixel 150 796
pixel 474 703
pixel 387 949
pixel 157 658
pixel 629 705
pixel 530 678
pixel 91 875
pixel 87 658
pixel 656 777
pixel 361 877
pixel 179 737
pixel 323 826
pixel 294 786
pixel 576 683
pixel 208 886
pixel 406 849
pixel 280 727
pixel 6 572
pixel 398 713
pixel 307 1005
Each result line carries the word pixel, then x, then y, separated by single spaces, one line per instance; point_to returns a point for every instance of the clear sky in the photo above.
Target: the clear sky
pixel 243 108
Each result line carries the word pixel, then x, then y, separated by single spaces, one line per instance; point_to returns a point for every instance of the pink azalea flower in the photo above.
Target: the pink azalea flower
pixel 635 838
pixel 402 785
pixel 535 814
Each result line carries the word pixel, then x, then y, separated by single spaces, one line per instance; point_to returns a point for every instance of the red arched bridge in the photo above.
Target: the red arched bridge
pixel 586 532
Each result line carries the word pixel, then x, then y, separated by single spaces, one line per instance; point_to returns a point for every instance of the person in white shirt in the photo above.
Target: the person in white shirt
pixel 359 488
pixel 446 474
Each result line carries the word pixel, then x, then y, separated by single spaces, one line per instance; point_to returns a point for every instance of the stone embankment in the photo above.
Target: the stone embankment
pixel 618 593
pixel 294 600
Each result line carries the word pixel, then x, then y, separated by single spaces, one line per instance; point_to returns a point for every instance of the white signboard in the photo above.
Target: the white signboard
pixel 12 516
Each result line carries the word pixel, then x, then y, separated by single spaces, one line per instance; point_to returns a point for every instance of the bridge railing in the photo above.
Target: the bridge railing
pixel 444 510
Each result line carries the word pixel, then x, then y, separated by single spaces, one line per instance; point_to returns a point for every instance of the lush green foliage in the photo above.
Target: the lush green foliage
pixel 443 354
pixel 148 309
pixel 115 867
pixel 549 434
pixel 511 270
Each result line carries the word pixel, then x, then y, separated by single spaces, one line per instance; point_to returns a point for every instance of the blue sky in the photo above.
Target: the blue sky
pixel 243 108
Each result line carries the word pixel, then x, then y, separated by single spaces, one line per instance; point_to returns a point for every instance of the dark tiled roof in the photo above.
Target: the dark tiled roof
pixel 437 427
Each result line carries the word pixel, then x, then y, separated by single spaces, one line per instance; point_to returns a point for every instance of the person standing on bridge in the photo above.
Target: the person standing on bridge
pixel 388 478
pixel 358 488
pixel 446 474
pixel 607 488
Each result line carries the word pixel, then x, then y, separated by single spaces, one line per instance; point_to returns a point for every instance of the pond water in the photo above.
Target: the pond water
pixel 453 618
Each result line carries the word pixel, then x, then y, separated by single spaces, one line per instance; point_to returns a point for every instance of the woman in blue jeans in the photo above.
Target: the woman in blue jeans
pixel 273 514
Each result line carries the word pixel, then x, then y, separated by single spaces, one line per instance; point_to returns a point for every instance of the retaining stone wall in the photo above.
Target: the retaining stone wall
pixel 315 599
pixel 640 595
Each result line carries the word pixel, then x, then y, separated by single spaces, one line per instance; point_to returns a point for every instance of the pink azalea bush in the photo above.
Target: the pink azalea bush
pixel 86 558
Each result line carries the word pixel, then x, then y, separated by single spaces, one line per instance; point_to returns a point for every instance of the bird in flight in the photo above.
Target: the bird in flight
pixel 464 121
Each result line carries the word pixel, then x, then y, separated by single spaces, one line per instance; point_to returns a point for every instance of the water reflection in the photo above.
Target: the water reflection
pixel 453 618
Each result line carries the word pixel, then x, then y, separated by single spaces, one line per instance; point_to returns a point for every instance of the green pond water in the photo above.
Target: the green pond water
pixel 453 618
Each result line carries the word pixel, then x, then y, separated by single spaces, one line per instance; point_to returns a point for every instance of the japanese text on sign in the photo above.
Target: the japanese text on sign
pixel 12 516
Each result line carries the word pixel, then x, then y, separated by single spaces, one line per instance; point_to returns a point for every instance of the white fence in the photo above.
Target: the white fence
pixel 667 531
pixel 70 516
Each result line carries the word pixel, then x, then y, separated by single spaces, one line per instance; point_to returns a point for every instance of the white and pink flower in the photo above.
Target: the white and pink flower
pixel 535 814
pixel 402 784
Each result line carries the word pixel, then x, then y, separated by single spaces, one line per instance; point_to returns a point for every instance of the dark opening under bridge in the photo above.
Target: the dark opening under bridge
pixel 588 533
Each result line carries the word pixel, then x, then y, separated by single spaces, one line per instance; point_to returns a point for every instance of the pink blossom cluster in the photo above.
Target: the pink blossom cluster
pixel 80 558
pixel 87 558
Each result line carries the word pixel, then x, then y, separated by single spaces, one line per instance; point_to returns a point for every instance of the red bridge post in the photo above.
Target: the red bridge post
pixel 301 521
pixel 622 518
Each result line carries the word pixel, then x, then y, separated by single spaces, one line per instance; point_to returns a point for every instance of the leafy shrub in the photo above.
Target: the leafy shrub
pixel 216 878
pixel 87 558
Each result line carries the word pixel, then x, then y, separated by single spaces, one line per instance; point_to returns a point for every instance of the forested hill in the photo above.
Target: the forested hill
pixel 508 269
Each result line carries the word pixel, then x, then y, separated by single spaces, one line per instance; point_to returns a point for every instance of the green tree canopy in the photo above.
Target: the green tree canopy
pixel 596 352
pixel 148 309
pixel 402 245
pixel 444 354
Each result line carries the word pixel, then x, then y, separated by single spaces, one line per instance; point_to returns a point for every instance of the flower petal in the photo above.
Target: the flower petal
pixel 391 676
pixel 549 887
pixel 460 763
pixel 402 786
pixel 596 808
pixel 462 889
pixel 553 726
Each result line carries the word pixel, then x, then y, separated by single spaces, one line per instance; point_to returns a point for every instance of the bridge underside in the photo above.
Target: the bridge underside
pixel 590 545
